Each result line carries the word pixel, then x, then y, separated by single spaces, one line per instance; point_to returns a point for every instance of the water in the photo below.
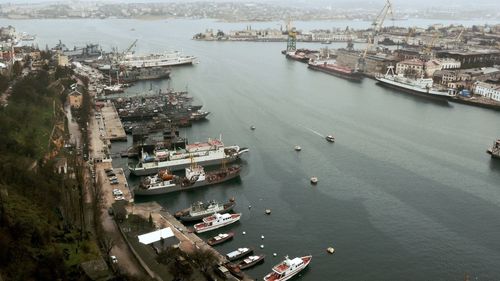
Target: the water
pixel 406 193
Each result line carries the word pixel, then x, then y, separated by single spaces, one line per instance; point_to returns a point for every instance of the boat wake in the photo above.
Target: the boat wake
pixel 313 131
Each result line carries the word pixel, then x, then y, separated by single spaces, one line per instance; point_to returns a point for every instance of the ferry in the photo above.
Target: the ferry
pixel 199 210
pixel 152 60
pixel 288 268
pixel 420 87
pixel 164 182
pixel 207 153
pixel 216 221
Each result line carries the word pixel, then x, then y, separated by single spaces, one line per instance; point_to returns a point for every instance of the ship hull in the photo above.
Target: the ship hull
pixel 412 90
pixel 355 77
pixel 180 165
pixel 188 218
pixel 297 58
pixel 180 187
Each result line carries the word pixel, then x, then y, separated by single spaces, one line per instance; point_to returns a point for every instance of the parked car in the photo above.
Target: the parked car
pixel 113 259
pixel 115 182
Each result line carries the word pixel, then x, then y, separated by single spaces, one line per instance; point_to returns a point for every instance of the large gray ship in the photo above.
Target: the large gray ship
pixel 134 74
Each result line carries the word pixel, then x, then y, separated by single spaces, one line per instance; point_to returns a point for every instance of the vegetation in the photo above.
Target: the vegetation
pixel 42 228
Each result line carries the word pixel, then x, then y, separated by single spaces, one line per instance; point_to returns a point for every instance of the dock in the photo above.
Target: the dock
pixel 113 127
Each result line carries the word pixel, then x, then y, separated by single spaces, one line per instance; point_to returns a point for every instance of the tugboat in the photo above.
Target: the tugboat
pixel 330 138
pixel 251 261
pixel 495 149
pixel 238 254
pixel 288 268
pixel 216 221
pixel 220 238
pixel 165 182
pixel 199 210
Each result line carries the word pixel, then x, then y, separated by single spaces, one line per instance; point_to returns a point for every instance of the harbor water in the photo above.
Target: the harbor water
pixel 407 191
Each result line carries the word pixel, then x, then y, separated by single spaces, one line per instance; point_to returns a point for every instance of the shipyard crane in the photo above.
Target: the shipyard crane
pixel 130 47
pixel 291 44
pixel 427 49
pixel 376 25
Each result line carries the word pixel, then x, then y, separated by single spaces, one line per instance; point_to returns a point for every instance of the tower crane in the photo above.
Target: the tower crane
pixel 376 25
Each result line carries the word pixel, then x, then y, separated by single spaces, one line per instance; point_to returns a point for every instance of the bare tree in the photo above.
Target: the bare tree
pixel 204 259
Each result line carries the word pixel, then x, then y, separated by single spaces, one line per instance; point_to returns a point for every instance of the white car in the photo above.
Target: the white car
pixel 113 259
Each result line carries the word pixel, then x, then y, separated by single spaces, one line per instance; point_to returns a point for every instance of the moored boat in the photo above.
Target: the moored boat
pixel 195 177
pixel 239 253
pixel 199 210
pixel 220 238
pixel 251 261
pixel 331 67
pixel 216 221
pixel 207 153
pixel 154 60
pixel 288 268
pixel 422 87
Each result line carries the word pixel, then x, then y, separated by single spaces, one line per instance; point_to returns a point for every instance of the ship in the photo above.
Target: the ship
pixel 495 149
pixel 220 238
pixel 301 55
pixel 154 60
pixel 164 182
pixel 216 221
pixel 251 261
pixel 420 87
pixel 134 74
pixel 288 268
pixel 331 67
pixel 212 152
pixel 239 253
pixel 199 210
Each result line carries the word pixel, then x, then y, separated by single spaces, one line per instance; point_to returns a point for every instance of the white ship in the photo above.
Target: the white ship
pixel 216 221
pixel 422 86
pixel 152 60
pixel 212 152
pixel 288 268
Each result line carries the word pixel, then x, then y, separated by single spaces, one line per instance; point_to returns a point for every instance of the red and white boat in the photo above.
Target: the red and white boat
pixel 288 268
pixel 216 221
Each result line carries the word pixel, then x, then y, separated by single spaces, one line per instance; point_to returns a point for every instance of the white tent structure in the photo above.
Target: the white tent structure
pixel 155 236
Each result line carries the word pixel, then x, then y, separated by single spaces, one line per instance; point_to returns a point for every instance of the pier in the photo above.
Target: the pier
pixel 113 127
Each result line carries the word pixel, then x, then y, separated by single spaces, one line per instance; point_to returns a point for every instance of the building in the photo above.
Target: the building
pixel 160 239
pixel 410 67
pixel 476 58
pixel 62 60
pixel 75 99
pixel 449 63
pixel 488 90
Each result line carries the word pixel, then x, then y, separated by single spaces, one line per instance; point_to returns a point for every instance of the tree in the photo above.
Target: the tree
pixel 204 259
pixel 17 69
pixel 180 269
pixel 168 255
pixel 108 243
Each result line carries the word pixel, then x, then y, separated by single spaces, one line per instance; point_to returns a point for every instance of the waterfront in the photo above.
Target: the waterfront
pixel 406 193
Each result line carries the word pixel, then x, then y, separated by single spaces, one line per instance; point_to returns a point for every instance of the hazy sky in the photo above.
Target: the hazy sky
pixel 423 4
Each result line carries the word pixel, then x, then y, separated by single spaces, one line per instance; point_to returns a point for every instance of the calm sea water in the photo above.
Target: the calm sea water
pixel 406 193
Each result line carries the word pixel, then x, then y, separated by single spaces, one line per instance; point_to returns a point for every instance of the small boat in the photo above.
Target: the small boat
pixel 239 253
pixel 235 270
pixel 298 148
pixel 251 261
pixel 288 268
pixel 216 221
pixel 494 151
pixel 220 238
pixel 314 180
pixel 330 250
pixel 268 211
pixel 199 210
pixel 330 138
pixel 252 128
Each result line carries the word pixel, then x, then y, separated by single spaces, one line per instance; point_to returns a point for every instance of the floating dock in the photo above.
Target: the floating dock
pixel 113 127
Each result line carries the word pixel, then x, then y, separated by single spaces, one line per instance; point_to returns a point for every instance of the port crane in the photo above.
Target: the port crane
pixel 291 44
pixel 372 40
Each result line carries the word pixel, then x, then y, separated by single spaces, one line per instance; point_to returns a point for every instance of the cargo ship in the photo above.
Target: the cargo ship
pixel 165 182
pixel 419 87
pixel 331 67
pixel 494 151
pixel 212 152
